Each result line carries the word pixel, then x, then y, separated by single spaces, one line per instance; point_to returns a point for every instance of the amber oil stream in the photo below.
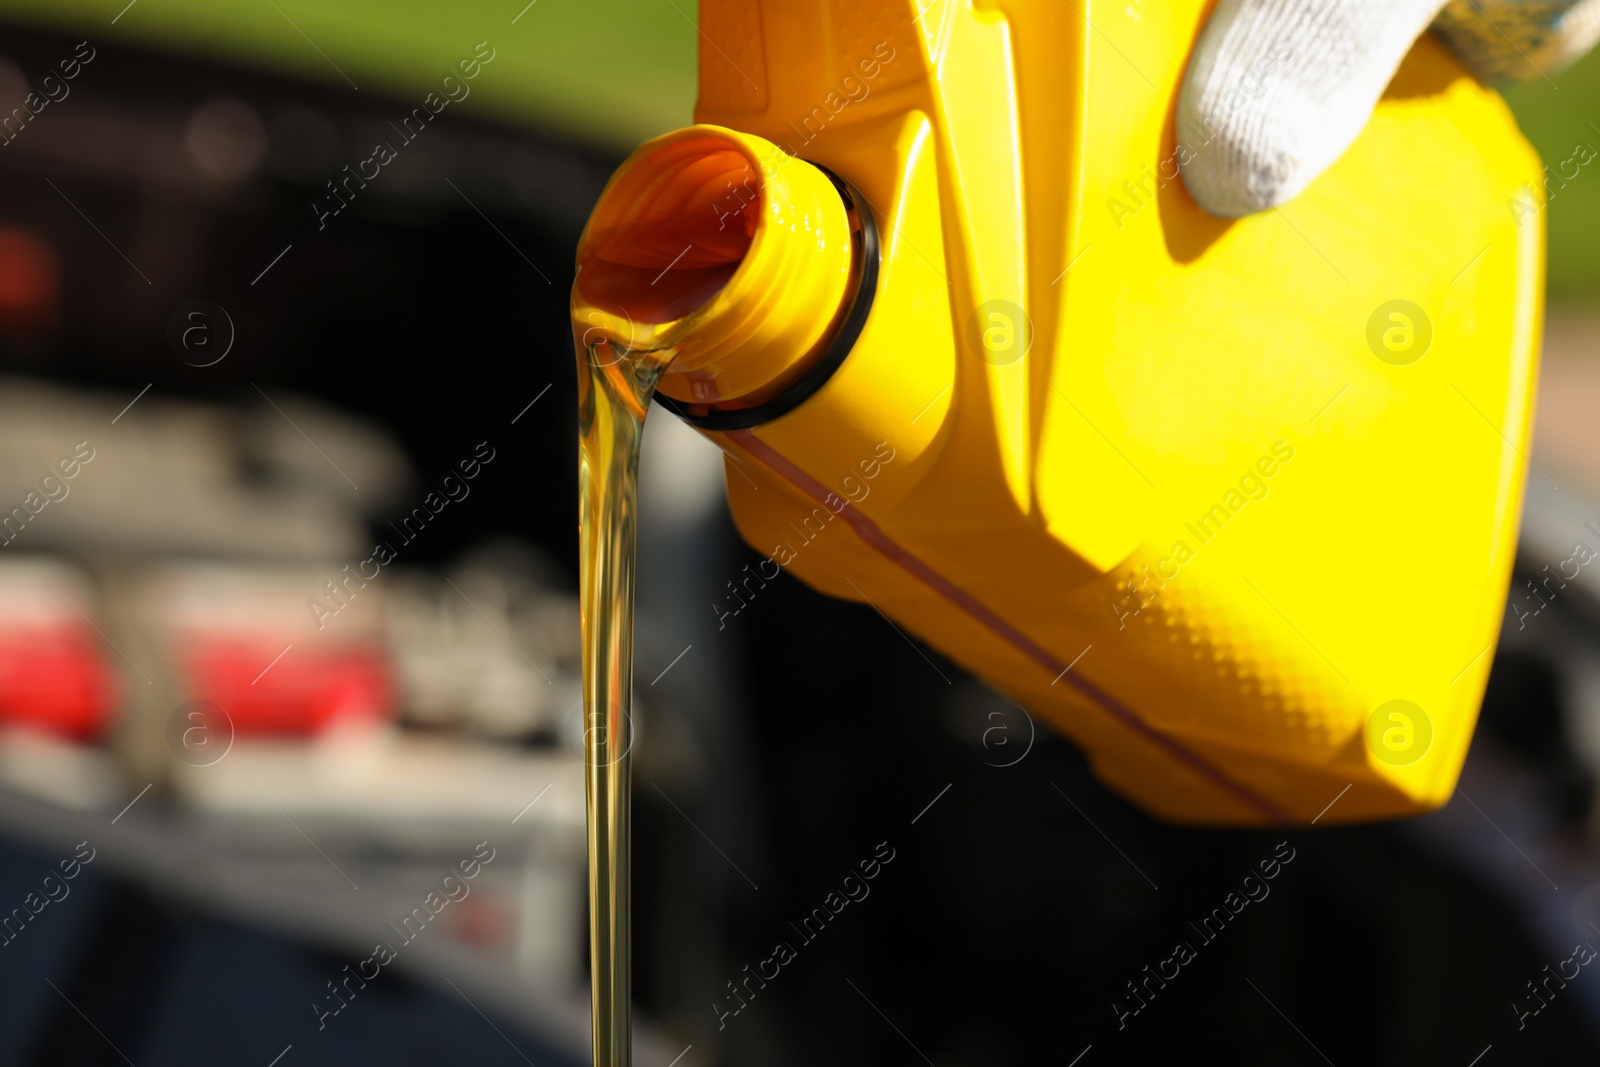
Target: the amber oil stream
pixel 614 391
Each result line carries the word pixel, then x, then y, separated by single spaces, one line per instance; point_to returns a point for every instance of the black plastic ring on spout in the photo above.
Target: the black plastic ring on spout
pixel 869 256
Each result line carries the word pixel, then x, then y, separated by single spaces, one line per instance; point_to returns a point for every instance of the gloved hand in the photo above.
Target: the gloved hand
pixel 1277 89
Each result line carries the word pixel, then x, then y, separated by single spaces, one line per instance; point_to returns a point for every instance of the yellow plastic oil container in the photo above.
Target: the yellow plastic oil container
pixel 1232 503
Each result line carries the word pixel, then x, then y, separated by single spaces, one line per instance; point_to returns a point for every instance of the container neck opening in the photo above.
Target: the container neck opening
pixel 674 235
pixel 725 249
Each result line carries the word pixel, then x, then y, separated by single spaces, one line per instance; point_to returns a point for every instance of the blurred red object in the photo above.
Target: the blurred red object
pixel 301 693
pixel 240 636
pixel 55 680
pixel 483 920
pixel 30 282
pixel 54 675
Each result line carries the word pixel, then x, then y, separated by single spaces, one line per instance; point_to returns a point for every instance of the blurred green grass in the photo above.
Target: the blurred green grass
pixel 608 72
pixel 615 72
pixel 1557 115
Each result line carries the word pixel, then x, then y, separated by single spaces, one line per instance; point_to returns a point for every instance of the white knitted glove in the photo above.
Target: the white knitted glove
pixel 1277 89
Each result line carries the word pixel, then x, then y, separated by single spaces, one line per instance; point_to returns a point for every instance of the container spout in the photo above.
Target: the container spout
pixel 722 245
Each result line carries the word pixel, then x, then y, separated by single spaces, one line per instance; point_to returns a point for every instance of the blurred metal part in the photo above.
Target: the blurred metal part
pixel 302 442
pixel 681 476
pixel 1554 521
pixel 236 853
pixel 171 477
pixel 486 649
pixel 1561 506
pixel 60 772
